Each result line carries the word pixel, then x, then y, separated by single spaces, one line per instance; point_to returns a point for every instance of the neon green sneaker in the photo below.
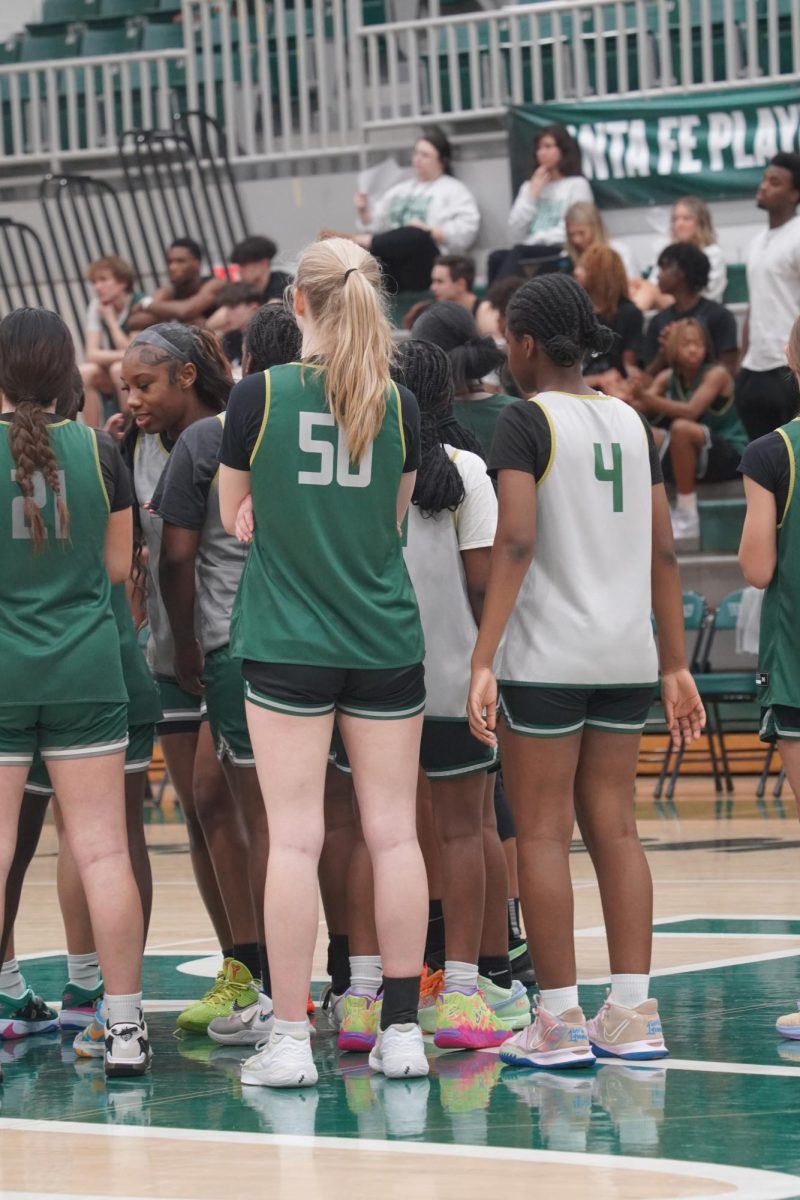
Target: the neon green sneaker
pixel 464 1021
pixel 234 985
pixel 510 1005
pixel 360 1020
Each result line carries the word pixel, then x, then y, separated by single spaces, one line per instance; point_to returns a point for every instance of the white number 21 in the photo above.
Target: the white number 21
pixel 324 451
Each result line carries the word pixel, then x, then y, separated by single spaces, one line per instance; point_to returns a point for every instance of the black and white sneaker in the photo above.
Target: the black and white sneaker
pixel 127 1049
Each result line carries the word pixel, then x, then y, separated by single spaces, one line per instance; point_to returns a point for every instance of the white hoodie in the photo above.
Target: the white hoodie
pixel 443 203
pixel 541 222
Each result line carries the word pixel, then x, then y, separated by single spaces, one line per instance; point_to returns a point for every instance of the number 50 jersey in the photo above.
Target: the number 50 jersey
pixel 582 617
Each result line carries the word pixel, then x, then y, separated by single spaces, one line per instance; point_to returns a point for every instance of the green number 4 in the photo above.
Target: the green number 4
pixel 612 474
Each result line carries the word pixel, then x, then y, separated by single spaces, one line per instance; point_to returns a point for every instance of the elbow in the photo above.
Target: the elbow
pixel 758 574
pixel 118 571
pixel 519 551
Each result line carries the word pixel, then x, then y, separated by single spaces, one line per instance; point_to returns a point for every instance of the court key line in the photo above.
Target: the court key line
pixel 749 1183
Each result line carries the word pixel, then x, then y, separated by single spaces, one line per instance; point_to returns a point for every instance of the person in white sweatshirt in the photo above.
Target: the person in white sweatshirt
pixel 536 222
pixel 417 220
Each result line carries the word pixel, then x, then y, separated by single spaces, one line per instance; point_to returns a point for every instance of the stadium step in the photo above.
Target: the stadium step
pixel 721 521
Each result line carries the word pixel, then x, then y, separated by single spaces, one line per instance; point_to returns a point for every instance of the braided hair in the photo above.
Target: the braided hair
pixel 37 364
pixel 557 312
pixel 425 370
pixel 452 327
pixel 272 337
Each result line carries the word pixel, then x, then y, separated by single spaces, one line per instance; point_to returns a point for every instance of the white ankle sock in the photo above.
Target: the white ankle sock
pixel 123 1008
pixel 629 991
pixel 686 501
pixel 12 982
pixel 83 969
pixel 366 974
pixel 460 976
pixel 558 1000
pixel 295 1029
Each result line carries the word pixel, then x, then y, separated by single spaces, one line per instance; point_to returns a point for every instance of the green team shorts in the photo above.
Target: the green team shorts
pixel 779 721
pixel 61 731
pixel 138 755
pixel 544 711
pixel 223 705
pixel 180 710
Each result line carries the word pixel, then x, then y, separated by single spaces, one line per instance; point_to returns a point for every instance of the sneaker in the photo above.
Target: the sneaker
pixel 127 1049
pixel 399 1052
pixel 359 1022
pixel 245 1026
pixel 464 1021
pixel 25 1015
pixel 634 1098
pixel 333 1006
pixel 685 524
pixel 510 1005
pixel 234 985
pixel 281 1062
pixel 564 1102
pixel 789 1025
pixel 633 1033
pixel 310 1009
pixel 78 1005
pixel 90 1042
pixel 521 964
pixel 556 1043
pixel 466 1081
pixel 431 986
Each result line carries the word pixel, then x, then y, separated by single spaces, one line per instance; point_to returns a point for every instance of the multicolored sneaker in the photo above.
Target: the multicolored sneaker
pixel 25 1015
pixel 91 1041
pixel 789 1025
pixel 234 985
pixel 78 1005
pixel 464 1021
pixel 360 1020
pixel 466 1081
pixel 632 1033
pixel 555 1043
pixel 511 1005
pixel 431 985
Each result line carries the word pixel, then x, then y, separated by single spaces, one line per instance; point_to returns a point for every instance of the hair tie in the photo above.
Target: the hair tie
pixel 349 271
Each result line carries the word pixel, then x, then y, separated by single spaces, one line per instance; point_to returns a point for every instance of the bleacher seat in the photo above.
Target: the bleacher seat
pixel 110 39
pixel 65 12
pixel 126 8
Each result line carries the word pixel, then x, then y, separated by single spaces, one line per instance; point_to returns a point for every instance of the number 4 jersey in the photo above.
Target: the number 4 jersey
pixel 325 583
pixel 582 617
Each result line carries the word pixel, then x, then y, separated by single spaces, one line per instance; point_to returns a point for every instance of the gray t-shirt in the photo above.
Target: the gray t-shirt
pixel 187 495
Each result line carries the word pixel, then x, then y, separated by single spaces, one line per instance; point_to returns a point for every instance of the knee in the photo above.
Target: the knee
pixel 90 373
pixel 384 838
pixel 682 430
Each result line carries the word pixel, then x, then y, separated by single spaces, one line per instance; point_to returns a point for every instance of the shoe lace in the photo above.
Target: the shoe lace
pixel 431 985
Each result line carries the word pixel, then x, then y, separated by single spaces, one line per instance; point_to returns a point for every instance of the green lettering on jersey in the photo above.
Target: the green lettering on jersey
pixel 612 474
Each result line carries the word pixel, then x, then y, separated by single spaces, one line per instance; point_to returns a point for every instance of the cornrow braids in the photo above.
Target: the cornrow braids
pixel 272 337
pixel 557 312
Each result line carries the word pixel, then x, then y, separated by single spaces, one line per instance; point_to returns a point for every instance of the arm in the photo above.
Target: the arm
pixel 176 574
pixel 476 570
pixel 683 709
pixel 522 214
pixel 655 401
pixel 729 359
pixel 404 493
pixel 758 549
pixel 234 486
pixel 511 556
pixel 218 319
pixel 458 221
pixel 745 334
pixel 718 275
pixel 187 310
pixel 118 546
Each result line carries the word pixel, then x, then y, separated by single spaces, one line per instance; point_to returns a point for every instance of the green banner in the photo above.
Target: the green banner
pixel 635 152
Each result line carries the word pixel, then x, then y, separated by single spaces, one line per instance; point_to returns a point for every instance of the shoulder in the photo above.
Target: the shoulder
pixel 765 459
pixel 580 185
pixel 248 391
pixel 470 467
pixel 202 439
pixel 713 251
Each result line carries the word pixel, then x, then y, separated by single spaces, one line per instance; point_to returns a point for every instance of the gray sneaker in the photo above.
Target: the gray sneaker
pixel 245 1026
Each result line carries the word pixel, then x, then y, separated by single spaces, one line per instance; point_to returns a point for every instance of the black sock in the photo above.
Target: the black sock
pixel 247 954
pixel 514 928
pixel 228 953
pixel 497 968
pixel 263 970
pixel 400 1001
pixel 339 962
pixel 434 942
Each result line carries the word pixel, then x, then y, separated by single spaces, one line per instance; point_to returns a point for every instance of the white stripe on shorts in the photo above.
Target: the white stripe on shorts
pixel 67 752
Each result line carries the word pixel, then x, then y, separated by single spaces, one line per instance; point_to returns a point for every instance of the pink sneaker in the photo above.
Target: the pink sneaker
pixel 556 1043
pixel 633 1033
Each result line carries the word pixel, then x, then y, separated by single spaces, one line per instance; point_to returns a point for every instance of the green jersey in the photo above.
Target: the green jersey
pixel 779 646
pixel 58 637
pixel 480 417
pixel 720 417
pixel 325 583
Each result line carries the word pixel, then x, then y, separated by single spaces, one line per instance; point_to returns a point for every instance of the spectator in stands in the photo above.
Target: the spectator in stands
pixel 190 296
pixel 419 219
pixel 452 278
pixel 472 357
pixel 238 302
pixel 536 223
pixel 705 439
pixel 107 332
pixel 767 393
pixel 691 222
pixel 585 227
pixel 491 315
pixel 601 271
pixel 683 270
pixel 253 256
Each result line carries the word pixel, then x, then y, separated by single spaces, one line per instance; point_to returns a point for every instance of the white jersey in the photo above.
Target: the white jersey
pixel 433 559
pixel 582 618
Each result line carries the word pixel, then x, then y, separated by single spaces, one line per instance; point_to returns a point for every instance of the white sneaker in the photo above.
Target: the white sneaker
pixel 284 1061
pixel 244 1026
pixel 127 1049
pixel 685 524
pixel 399 1052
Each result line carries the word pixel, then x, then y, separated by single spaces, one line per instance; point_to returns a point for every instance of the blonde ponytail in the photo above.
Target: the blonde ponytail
pixel 343 289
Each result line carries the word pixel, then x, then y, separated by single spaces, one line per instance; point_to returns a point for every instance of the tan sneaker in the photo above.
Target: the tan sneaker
pixel 634 1033
pixel 789 1026
pixel 557 1043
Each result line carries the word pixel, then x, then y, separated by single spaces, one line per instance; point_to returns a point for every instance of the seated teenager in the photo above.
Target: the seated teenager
pixel 602 273
pixel 683 271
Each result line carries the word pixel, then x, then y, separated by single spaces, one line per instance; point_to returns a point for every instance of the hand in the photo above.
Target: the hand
pixel 538 179
pixel 115 426
pixel 683 708
pixel 482 705
pixel 107 314
pixel 361 201
pixel 664 335
pixel 188 664
pixel 245 522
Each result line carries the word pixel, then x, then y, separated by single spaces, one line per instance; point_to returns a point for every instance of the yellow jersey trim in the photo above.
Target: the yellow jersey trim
pixel 790 449
pixel 396 391
pixel 552 429
pixel 96 450
pixel 265 418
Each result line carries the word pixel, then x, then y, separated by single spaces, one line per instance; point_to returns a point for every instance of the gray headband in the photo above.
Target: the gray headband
pixel 151 337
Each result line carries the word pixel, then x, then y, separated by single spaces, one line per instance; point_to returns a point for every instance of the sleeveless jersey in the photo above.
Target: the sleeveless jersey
pixel 144 707
pixel 433 558
pixel 720 417
pixel 779 651
pixel 325 583
pixel 149 459
pixel 58 638
pixel 582 617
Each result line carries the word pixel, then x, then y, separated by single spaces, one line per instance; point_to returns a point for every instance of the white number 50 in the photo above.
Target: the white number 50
pixel 324 451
